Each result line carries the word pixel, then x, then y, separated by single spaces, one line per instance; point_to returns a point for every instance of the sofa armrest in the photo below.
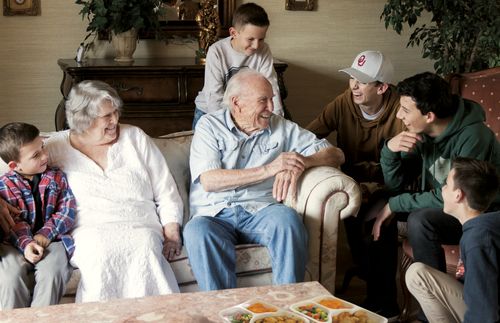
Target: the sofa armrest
pixel 325 195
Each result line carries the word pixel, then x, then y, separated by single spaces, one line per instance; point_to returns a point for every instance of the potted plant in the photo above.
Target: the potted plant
pixel 121 20
pixel 462 36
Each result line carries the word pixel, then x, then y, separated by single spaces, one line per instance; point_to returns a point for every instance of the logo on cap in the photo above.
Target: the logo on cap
pixel 370 66
pixel 361 60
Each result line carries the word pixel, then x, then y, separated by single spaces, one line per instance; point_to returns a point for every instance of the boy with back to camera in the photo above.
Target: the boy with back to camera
pixel 40 233
pixel 473 297
pixel 245 47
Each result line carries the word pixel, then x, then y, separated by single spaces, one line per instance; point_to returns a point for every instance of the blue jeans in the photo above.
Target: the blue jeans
pixel 197 115
pixel 210 244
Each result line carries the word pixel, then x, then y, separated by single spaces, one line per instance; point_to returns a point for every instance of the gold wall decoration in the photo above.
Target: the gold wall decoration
pixel 22 7
pixel 209 23
pixel 187 9
pixel 177 23
pixel 304 5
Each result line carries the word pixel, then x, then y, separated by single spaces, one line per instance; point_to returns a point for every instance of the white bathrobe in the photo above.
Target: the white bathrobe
pixel 120 214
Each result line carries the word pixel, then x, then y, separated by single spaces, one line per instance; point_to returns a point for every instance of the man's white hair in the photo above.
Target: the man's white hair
pixel 238 84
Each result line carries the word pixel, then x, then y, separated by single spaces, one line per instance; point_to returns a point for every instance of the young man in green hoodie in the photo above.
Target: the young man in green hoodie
pixel 441 127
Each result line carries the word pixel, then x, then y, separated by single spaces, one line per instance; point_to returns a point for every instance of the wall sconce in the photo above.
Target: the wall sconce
pixel 303 5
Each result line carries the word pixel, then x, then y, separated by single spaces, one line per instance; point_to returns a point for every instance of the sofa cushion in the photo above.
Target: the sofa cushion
pixel 175 148
pixel 3 167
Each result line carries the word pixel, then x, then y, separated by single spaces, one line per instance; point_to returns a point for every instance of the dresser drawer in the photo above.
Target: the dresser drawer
pixel 147 89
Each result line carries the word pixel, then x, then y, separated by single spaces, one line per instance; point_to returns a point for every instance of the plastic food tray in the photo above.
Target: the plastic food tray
pixel 281 313
pixel 333 313
pixel 230 315
pixel 248 308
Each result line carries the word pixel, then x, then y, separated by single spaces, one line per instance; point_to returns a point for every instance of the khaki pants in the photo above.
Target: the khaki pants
pixel 440 295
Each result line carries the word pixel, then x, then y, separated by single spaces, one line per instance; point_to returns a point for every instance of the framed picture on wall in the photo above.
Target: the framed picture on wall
pixel 299 5
pixel 21 7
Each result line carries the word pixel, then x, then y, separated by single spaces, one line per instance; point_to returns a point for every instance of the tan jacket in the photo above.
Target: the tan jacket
pixel 361 140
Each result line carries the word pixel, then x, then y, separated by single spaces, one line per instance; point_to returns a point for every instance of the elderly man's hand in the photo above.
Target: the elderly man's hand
pixel 7 212
pixel 285 182
pixel 405 141
pixel 173 244
pixel 288 161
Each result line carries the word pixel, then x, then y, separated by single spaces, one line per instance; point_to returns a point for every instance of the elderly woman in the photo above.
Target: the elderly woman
pixel 128 205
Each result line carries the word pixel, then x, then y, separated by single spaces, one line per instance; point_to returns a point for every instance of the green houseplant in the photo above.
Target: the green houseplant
pixel 115 17
pixel 462 36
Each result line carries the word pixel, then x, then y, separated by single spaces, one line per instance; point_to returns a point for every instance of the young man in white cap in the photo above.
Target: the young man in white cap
pixel 364 116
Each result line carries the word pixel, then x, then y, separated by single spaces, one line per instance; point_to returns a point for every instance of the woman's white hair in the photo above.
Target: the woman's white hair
pixel 236 85
pixel 84 103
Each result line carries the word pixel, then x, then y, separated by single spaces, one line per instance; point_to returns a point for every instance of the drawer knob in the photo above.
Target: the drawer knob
pixel 122 87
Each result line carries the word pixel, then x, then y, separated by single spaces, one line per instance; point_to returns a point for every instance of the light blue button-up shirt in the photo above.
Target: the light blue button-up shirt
pixel 219 144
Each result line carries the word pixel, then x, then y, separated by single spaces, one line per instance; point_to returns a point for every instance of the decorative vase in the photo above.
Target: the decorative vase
pixel 124 45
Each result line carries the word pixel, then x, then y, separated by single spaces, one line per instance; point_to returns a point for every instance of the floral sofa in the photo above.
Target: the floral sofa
pixel 325 195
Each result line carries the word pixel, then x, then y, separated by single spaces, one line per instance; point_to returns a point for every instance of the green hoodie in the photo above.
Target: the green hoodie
pixel 465 136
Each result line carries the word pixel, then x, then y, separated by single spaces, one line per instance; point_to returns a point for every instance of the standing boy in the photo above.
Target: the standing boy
pixel 245 47
pixel 41 230
pixel 470 187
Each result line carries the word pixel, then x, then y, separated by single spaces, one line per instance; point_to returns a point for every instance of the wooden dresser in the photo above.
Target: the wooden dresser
pixel 158 93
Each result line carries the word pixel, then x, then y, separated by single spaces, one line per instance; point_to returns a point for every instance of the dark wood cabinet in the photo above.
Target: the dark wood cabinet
pixel 158 93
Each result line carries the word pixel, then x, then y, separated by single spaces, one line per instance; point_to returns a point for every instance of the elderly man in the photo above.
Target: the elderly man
pixel 244 161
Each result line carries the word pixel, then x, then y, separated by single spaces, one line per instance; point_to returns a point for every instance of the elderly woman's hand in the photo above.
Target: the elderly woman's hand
pixel 173 244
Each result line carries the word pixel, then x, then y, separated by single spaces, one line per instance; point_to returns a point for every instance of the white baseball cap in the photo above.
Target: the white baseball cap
pixel 370 66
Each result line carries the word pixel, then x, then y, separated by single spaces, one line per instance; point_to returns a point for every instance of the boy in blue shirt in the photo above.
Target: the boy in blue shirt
pixel 470 188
